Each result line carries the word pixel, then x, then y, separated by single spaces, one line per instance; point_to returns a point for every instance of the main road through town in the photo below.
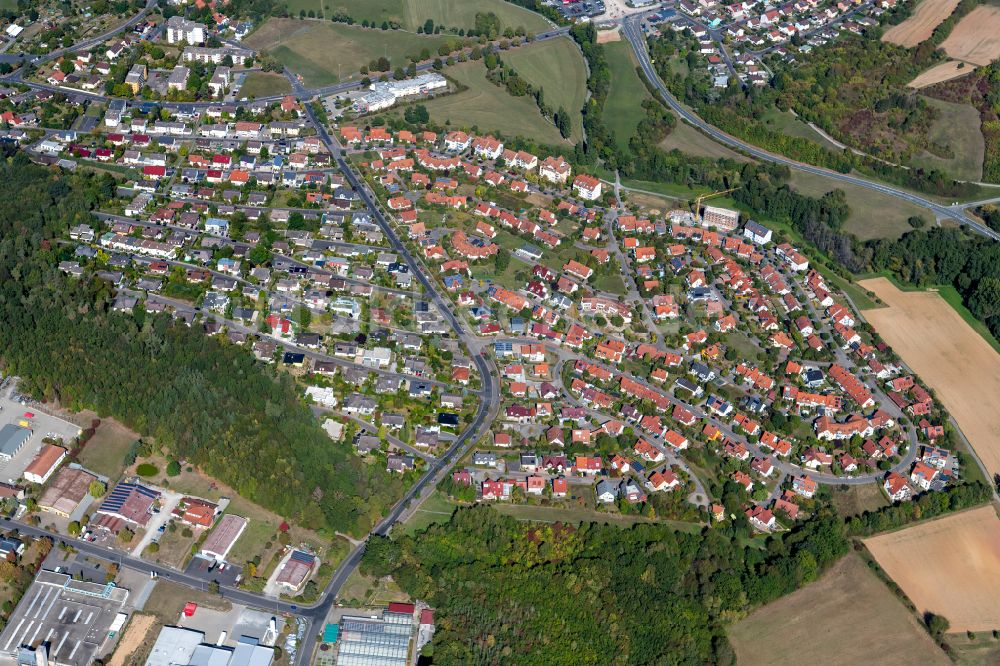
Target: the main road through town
pixel 632 29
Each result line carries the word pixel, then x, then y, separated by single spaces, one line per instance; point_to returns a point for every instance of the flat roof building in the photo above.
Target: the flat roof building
pixel 218 544
pixel 68 488
pixel 12 438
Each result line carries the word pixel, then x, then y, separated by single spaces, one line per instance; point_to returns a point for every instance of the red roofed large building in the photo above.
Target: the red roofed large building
pixel 587 187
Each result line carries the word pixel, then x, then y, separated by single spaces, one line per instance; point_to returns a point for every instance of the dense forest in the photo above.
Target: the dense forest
pixel 209 401
pixel 507 592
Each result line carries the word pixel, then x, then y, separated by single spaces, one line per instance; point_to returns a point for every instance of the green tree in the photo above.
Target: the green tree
pixel 97 488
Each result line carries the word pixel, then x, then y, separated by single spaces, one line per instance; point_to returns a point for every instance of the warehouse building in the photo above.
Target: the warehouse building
pixel 221 540
pixel 12 438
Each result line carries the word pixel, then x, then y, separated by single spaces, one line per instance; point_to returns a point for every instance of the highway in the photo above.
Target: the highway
pixel 632 30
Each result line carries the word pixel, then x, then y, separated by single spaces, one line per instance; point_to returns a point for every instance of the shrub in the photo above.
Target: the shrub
pixel 147 469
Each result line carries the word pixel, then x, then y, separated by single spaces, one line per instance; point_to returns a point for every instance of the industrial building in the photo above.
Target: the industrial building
pixel 374 641
pixel 176 646
pixel 221 540
pixel 383 94
pixel 12 438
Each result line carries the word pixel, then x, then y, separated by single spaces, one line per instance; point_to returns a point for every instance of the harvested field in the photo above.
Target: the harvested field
pixel 920 25
pixel 976 38
pixel 848 601
pixel 949 566
pixel 954 360
pixel 946 71
pixel 139 628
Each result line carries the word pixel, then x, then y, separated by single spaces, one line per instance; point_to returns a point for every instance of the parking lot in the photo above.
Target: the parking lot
pixel 208 570
pixel 235 623
pixel 42 425
pixel 71 618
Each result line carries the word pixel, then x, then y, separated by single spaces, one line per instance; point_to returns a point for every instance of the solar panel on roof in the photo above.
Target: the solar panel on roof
pixel 305 558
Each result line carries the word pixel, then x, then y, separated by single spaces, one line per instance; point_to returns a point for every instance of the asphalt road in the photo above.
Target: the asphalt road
pixel 632 29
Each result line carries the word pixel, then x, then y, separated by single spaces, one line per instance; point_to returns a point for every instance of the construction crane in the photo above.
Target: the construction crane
pixel 702 197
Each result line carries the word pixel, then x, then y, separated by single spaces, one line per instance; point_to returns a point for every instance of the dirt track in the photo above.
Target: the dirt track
pixel 136 632
pixel 961 367
pixel 950 567
pixel 920 25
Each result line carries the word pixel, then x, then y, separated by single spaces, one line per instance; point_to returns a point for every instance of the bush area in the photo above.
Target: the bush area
pixel 876 113
pixel 507 592
pixel 209 402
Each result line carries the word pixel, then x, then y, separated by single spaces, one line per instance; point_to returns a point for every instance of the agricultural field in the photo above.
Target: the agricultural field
pixel 959 567
pixel 891 220
pixel 976 38
pixel 557 67
pixel 623 110
pixel 264 84
pixel 956 130
pixel 946 71
pixel 958 363
pixel 848 612
pixel 412 14
pixel 490 108
pixel 322 51
pixel 920 25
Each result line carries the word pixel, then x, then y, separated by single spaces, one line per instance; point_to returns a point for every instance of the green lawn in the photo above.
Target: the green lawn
pixel 296 6
pixel 557 67
pixel 436 509
pixel 688 140
pixel 322 52
pixel 489 108
pixel 957 128
pixel 105 452
pixel 462 13
pixel 610 283
pixel 264 84
pixel 873 214
pixel 623 110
